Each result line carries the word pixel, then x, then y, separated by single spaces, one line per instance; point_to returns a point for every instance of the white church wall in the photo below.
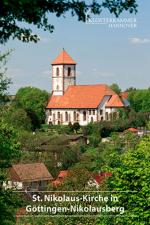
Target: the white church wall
pixel 102 109
pixel 69 78
pixel 58 116
pixel 57 80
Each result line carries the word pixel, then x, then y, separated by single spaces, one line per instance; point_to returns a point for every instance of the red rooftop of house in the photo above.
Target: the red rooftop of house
pixel 63 174
pixel 132 129
pixel 99 178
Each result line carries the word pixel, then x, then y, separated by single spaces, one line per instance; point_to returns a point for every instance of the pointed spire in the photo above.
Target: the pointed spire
pixel 63 58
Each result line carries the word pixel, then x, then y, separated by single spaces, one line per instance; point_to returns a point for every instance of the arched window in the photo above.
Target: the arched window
pixel 66 116
pixel 57 71
pixel 57 87
pixel 53 118
pixel 77 117
pixel 58 115
pixel 106 116
pixel 84 115
pixel 101 112
pixel 74 116
pixel 69 71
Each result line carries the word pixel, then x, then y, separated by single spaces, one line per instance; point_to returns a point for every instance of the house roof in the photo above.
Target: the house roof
pixel 124 94
pixel 60 179
pixel 99 178
pixel 81 97
pixel 63 174
pixel 115 102
pixel 30 172
pixel 132 129
pixel 63 58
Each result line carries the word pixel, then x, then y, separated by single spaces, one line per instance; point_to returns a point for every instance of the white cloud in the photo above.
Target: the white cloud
pixel 44 40
pixel 138 41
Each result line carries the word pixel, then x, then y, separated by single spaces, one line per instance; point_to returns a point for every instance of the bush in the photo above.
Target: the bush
pixel 94 140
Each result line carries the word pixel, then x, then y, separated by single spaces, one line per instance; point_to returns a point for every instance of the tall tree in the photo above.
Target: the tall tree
pixel 131 173
pixel 115 87
pixel 9 151
pixel 140 100
pixel 4 80
pixel 15 13
pixel 33 101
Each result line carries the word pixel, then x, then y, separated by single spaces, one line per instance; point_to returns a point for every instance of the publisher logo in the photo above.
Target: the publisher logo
pixel 111 22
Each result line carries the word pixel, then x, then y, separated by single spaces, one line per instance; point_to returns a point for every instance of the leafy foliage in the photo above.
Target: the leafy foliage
pixel 18 118
pixel 4 80
pixel 132 174
pixel 9 151
pixel 140 100
pixel 115 87
pixel 33 101
pixel 14 15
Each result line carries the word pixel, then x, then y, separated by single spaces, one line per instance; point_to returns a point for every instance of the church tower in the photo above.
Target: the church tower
pixel 63 73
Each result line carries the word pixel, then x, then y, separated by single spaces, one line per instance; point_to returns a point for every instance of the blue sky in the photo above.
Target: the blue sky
pixel 103 54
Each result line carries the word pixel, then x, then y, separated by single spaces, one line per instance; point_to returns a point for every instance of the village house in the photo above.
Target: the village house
pixel 28 177
pixel 72 103
pixel 98 179
pixel 60 178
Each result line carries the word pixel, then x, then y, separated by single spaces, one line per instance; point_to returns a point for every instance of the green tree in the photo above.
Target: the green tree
pixel 9 151
pixel 132 174
pixel 18 118
pixel 4 80
pixel 115 87
pixel 76 180
pixel 33 101
pixel 140 100
pixel 74 127
pixel 15 13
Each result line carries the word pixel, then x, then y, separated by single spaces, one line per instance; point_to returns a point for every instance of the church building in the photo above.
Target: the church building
pixel 72 103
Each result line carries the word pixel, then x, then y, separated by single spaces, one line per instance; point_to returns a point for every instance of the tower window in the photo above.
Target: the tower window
pixel 69 71
pixel 57 87
pixel 106 115
pixel 57 71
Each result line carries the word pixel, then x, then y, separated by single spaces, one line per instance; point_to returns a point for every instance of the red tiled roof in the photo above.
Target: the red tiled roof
pixel 132 129
pixel 30 172
pixel 81 96
pixel 99 178
pixel 115 102
pixel 63 173
pixel 57 182
pixel 63 58
pixel 124 94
